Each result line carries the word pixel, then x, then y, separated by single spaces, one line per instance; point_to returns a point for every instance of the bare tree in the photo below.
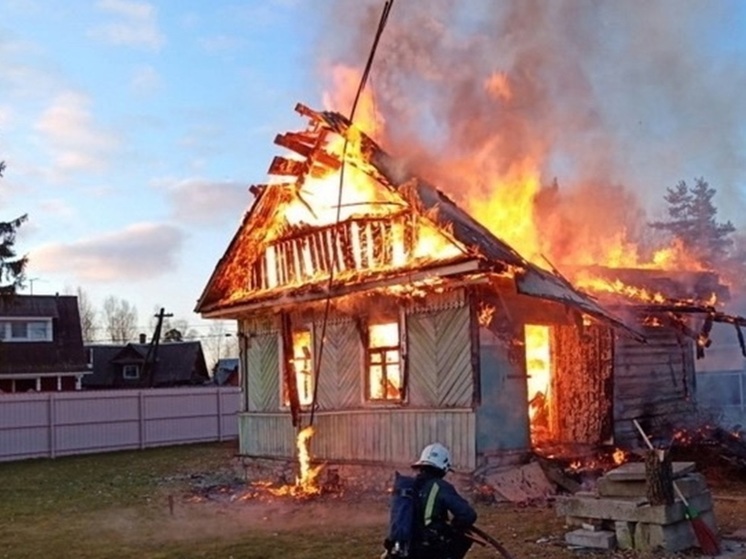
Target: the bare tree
pixel 120 319
pixel 219 343
pixel 88 316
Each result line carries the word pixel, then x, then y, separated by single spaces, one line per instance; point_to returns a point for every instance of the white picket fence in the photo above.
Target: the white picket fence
pixel 51 424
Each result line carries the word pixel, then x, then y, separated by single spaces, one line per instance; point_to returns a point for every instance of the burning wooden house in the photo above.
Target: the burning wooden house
pixel 369 303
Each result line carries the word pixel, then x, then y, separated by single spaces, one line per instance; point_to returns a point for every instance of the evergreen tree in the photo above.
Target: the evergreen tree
pixel 692 221
pixel 11 266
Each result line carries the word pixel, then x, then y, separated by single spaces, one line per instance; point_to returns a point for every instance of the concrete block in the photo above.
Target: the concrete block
pixel 672 537
pixel 625 534
pixel 600 539
pixel 635 471
pixel 690 485
pixel 630 510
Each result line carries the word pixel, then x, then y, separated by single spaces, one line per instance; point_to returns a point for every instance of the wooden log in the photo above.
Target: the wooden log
pixel 659 477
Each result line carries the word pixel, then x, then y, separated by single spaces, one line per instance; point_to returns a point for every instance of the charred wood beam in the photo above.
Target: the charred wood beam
pixel 285 167
pixel 703 339
pixel 309 148
pixel 741 343
pixel 288 369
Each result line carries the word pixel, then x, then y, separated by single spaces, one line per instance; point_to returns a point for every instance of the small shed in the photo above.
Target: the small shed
pixel 393 318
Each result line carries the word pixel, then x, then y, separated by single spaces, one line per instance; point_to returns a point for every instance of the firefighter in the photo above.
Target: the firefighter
pixel 444 514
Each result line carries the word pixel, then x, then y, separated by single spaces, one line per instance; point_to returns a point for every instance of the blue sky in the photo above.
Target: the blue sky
pixel 132 129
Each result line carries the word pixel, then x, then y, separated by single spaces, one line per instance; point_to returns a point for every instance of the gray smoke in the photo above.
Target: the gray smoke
pixel 635 93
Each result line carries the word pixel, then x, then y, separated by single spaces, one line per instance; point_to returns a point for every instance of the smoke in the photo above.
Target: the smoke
pixel 617 100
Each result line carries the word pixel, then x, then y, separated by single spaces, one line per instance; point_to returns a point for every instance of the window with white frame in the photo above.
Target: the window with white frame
pixel 384 372
pixel 26 330
pixel 131 372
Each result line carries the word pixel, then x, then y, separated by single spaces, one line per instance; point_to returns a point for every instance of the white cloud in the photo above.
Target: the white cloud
pixel 207 202
pixel 75 140
pixel 135 25
pixel 138 252
pixel 146 80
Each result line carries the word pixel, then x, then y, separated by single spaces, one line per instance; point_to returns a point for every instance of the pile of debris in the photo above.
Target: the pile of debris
pixel 717 450
pixel 618 512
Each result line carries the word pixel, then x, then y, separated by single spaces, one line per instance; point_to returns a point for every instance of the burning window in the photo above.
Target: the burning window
pixel 385 368
pixel 302 363
pixel 539 371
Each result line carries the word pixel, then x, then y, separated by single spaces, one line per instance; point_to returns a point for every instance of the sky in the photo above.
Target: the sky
pixel 132 130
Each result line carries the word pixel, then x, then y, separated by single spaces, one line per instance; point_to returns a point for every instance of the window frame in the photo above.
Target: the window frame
pixel 136 375
pixel 6 329
pixel 284 396
pixel 368 352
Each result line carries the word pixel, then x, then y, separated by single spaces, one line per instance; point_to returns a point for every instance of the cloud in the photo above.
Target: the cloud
pixel 136 25
pixel 146 80
pixel 207 202
pixel 138 252
pixel 75 140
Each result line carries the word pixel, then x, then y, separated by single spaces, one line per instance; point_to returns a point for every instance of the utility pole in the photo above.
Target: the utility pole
pixel 152 355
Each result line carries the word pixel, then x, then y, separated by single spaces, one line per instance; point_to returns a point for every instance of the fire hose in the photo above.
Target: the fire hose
pixel 479 536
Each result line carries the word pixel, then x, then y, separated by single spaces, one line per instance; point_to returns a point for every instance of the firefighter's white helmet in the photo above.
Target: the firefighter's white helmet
pixel 435 455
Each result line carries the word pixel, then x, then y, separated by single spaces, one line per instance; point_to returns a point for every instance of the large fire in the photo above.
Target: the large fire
pixel 513 201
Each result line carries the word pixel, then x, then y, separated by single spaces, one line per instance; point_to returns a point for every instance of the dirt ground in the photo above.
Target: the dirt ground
pixel 230 511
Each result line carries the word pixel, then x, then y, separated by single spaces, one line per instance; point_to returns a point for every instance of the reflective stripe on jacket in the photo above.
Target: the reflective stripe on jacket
pixel 439 499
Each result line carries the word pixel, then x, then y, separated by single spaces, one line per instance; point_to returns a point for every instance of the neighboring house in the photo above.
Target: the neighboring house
pixel 132 365
pixel 435 328
pixel 227 372
pixel 41 346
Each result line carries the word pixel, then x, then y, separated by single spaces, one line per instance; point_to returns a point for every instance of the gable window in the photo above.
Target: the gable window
pixel 26 330
pixel 131 372
pixel 302 368
pixel 384 373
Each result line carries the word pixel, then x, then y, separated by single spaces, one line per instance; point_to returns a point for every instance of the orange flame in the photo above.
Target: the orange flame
pixel 539 371
pixel 507 197
pixel 619 456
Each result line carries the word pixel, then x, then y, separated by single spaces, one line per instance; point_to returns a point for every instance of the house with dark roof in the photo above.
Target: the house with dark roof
pixel 41 345
pixel 143 365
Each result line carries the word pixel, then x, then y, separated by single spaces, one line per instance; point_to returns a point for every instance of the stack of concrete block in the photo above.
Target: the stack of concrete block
pixel 619 507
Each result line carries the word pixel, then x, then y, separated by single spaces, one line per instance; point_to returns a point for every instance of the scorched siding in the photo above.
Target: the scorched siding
pixel 440 365
pixel 652 381
pixel 382 436
pixel 341 375
pixel 263 372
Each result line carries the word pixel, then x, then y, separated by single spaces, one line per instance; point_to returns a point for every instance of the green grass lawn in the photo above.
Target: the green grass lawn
pixel 117 505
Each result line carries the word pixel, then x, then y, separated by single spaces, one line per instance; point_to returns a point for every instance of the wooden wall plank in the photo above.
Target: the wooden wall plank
pixel 263 375
pixel 384 436
pixel 653 381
